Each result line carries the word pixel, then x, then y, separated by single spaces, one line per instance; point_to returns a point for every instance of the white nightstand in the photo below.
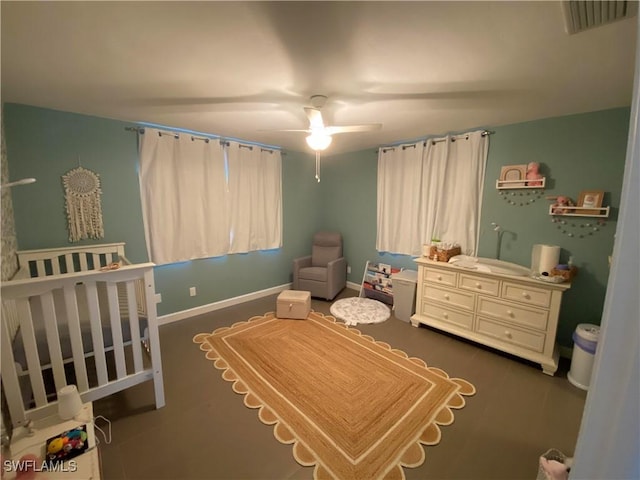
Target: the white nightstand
pixel 85 466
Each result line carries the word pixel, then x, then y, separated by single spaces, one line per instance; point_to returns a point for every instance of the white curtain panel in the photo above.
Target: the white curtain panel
pixel 184 196
pixel 399 190
pixel 432 190
pixel 255 198
pixel 452 189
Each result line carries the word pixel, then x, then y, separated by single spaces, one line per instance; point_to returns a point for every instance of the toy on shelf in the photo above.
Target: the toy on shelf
pixel 562 205
pixel 533 176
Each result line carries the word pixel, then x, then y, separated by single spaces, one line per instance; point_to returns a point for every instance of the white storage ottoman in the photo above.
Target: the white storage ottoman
pixel 293 304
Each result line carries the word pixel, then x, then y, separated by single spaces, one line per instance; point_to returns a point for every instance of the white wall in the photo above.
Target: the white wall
pixel 609 440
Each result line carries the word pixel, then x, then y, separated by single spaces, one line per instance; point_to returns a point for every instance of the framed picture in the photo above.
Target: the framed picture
pixel 513 173
pixel 590 199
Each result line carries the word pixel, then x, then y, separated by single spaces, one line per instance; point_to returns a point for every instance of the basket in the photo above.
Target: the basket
pixel 565 274
pixel 443 255
pixel 551 454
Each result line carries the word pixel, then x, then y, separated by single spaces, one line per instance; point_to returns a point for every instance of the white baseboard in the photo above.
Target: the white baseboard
pixel 211 307
pixel 353 286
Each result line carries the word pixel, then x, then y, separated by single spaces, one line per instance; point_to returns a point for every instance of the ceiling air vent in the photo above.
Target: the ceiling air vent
pixel 581 15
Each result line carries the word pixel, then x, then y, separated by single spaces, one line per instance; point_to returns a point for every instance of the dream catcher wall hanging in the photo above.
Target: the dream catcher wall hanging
pixel 84 209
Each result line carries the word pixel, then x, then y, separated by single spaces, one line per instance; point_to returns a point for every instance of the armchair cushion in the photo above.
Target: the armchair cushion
pixel 327 246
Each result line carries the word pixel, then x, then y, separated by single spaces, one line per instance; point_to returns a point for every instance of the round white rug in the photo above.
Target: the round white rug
pixel 356 310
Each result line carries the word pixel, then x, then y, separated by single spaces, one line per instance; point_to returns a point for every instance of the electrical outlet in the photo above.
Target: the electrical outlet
pixel 158 298
pixel 192 291
pixel 348 268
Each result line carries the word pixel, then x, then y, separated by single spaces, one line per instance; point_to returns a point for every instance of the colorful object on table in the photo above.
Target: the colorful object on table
pixel 67 445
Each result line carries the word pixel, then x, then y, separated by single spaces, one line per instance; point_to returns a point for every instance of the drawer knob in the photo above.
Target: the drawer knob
pixel 445 315
pixel 507 334
pixel 510 313
pixel 478 285
pixel 446 296
pixel 439 277
pixel 526 295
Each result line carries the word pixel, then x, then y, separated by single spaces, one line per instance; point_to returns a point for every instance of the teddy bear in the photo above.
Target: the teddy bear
pixel 533 175
pixel 561 205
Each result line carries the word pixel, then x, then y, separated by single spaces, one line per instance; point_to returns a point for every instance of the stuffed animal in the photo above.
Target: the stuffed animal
pixel 562 202
pixel 533 174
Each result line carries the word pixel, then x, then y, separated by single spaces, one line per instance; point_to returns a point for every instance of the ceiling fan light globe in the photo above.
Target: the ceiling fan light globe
pixel 319 141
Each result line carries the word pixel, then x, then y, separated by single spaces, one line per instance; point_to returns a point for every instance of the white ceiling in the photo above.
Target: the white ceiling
pixel 239 69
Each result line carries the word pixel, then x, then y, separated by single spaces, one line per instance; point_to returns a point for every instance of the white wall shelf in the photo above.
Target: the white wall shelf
pixel 602 212
pixel 519 184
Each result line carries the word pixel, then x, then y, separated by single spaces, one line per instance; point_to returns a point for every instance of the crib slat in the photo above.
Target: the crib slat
pixel 10 378
pixel 40 268
pixel 55 266
pixel 96 261
pixel 83 262
pixel 31 351
pixel 53 339
pixel 134 325
pixel 68 262
pixel 96 332
pixel 73 321
pixel 116 330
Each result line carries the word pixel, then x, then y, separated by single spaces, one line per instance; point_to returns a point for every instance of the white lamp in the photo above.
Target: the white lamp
pixel 69 402
pixel 319 140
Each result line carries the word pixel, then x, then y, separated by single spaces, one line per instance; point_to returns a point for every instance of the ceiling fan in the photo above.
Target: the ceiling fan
pixel 320 135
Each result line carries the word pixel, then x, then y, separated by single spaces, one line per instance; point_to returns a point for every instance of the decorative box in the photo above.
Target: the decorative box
pixel 293 304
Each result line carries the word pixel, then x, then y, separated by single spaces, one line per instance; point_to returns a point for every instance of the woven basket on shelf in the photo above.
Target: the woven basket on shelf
pixel 566 274
pixel 443 255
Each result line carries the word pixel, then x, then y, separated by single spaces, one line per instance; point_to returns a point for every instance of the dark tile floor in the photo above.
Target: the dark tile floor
pixel 206 432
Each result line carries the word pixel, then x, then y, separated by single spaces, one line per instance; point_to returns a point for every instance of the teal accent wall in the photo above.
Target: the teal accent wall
pixel 45 144
pixel 577 152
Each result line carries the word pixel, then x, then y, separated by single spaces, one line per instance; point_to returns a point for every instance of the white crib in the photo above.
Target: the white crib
pixel 77 315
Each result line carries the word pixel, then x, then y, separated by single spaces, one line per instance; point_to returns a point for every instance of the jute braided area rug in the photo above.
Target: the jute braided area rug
pixel 352 406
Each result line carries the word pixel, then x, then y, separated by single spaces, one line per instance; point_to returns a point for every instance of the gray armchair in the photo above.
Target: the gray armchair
pixel 324 272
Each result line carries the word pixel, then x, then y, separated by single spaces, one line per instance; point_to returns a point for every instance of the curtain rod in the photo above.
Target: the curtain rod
pixel 437 140
pixel 224 143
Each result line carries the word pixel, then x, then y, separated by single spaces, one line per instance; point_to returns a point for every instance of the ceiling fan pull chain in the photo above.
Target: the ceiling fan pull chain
pixel 318 166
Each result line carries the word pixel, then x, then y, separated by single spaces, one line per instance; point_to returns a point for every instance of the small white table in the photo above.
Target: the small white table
pixel 85 466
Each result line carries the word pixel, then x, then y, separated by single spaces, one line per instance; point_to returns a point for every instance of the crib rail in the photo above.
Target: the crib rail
pixel 56 300
pixel 54 261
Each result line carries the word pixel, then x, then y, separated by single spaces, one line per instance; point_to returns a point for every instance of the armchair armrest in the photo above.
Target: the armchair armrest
pixel 298 263
pixel 337 274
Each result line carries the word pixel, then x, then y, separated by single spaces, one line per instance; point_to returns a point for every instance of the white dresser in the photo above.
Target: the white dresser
pixel 518 315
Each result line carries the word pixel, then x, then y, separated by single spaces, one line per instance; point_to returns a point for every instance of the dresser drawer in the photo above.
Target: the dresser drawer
pixel 438 312
pixel 455 298
pixel 526 294
pixel 512 313
pixel 440 276
pixel 487 286
pixel 530 340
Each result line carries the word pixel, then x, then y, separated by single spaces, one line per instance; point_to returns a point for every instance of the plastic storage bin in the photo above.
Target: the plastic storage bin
pixel 585 340
pixel 404 294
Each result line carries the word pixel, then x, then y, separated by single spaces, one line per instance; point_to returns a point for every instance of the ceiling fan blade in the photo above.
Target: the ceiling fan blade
pixel 315 118
pixel 306 130
pixel 354 128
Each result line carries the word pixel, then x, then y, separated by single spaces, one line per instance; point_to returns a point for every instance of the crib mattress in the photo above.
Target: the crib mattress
pixel 19 353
